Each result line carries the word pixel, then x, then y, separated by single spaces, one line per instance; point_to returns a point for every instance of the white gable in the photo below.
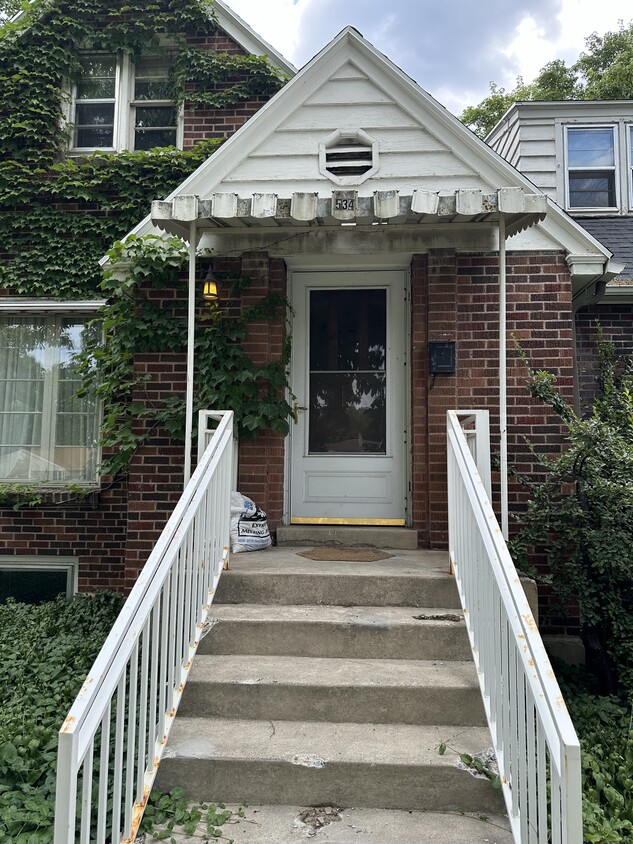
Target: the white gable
pixel 269 175
pixel 351 99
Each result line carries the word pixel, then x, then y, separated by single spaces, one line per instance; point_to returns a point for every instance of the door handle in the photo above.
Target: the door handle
pixel 295 411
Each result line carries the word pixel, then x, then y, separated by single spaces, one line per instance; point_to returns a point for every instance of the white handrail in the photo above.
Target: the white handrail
pixel 113 738
pixel 537 749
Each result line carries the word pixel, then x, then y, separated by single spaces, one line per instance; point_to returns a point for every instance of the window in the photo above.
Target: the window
pixel 154 113
pixel 32 580
pixel 47 434
pixel 95 101
pixel 591 167
pixel 121 105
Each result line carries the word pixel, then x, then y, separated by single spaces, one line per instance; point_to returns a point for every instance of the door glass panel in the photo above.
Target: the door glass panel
pixel 348 343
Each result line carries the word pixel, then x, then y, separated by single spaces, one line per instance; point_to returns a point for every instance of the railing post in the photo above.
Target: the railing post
pixel 66 799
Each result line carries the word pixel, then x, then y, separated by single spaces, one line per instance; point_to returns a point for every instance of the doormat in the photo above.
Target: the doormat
pixel 344 555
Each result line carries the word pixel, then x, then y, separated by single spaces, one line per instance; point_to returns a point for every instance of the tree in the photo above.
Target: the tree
pixel 603 72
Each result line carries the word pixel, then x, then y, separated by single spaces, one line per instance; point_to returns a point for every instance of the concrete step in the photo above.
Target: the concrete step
pixel 377 537
pixel 339 632
pixel 283 576
pixel 350 690
pixel 293 824
pixel 383 766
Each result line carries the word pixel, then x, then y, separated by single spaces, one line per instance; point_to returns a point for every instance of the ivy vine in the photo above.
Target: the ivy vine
pixel 59 216
pixel 131 324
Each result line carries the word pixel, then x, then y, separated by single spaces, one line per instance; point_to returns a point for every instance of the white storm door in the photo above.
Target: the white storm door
pixel 348 444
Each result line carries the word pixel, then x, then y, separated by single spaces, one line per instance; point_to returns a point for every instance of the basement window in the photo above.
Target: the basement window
pixel 33 580
pixel 348 157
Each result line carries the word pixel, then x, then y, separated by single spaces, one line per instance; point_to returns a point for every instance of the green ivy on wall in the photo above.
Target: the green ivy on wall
pixel 225 376
pixel 59 216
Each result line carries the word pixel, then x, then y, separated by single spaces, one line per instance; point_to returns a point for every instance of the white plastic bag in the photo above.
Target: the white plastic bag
pixel 249 528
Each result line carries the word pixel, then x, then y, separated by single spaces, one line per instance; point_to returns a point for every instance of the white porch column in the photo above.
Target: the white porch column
pixel 503 402
pixel 191 325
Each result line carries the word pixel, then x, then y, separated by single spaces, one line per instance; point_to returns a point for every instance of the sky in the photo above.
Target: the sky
pixel 452 48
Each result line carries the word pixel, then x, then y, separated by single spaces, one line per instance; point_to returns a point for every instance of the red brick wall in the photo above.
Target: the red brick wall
pixel 455 297
pixel 203 123
pixel 616 325
pixel 94 532
pixel 261 461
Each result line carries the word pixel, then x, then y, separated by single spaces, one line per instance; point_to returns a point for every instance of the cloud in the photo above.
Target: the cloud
pixel 450 47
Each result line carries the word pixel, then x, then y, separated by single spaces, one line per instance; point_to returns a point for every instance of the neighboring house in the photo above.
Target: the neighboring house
pixel 580 154
pixel 378 214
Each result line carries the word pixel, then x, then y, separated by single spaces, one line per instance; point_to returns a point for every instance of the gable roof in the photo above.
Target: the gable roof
pixel 242 167
pixel 240 31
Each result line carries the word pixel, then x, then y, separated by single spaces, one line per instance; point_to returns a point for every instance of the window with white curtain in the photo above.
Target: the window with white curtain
pixel 47 433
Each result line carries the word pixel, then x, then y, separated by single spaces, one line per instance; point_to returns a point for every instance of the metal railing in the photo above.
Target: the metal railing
pixel 113 738
pixel 538 752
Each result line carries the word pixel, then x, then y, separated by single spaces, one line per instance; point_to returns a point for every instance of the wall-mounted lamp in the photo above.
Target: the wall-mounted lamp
pixel 210 288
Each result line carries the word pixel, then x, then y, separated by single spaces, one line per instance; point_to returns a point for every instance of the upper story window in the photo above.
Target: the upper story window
pixel 47 433
pixel 118 104
pixel 591 167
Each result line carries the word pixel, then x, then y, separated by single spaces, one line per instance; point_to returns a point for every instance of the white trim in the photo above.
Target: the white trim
pixel 30 562
pixel 33 306
pixel 253 43
pixel 343 263
pixel 628 133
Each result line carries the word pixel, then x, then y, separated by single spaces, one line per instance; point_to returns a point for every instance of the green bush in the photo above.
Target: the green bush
pixel 45 654
pixel 581 514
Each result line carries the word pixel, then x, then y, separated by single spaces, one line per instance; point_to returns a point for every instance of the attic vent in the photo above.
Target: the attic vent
pixel 348 157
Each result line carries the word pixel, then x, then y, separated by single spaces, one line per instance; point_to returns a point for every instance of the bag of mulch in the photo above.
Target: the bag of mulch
pixel 249 528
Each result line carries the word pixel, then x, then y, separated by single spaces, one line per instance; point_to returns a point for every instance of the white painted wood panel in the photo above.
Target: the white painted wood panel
pixel 331 117
pixel 346 91
pixel 288 142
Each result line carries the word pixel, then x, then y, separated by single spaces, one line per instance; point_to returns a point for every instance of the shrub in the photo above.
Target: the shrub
pixel 582 514
pixel 45 654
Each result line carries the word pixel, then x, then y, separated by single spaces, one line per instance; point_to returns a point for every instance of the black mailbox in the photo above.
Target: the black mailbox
pixel 442 357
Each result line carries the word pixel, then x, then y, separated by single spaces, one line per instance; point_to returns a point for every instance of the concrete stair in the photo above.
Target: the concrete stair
pixel 336 687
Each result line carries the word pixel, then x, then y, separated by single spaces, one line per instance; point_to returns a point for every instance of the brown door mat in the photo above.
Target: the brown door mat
pixel 355 555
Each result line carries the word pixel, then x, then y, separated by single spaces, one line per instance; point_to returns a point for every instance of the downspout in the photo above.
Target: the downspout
pixel 191 325
pixel 503 401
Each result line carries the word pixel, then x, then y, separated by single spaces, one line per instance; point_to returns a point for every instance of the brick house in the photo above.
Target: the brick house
pixel 380 217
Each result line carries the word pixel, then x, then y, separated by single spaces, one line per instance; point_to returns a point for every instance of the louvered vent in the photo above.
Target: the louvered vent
pixel 349 157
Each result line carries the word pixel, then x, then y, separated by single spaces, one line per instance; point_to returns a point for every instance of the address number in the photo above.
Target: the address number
pixel 344 205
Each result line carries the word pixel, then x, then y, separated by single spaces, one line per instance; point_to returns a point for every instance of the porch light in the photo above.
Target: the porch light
pixel 210 288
